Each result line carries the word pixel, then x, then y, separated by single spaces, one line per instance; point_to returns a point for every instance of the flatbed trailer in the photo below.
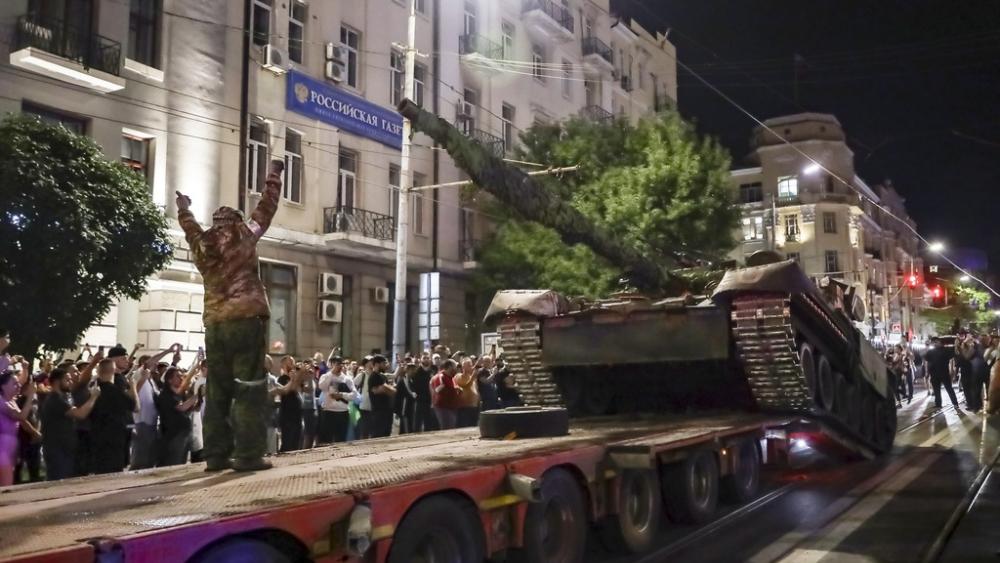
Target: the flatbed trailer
pixel 447 495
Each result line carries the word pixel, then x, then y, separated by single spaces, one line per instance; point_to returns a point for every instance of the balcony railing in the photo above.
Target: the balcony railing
pixel 557 12
pixel 594 46
pixel 359 221
pixel 596 113
pixel 626 82
pixel 69 42
pixel 469 249
pixel 477 44
pixel 489 141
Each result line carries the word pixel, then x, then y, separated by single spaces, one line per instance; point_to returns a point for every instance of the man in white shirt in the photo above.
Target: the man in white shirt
pixel 338 391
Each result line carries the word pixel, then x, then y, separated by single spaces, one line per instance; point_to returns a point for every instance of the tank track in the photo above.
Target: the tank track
pixel 521 341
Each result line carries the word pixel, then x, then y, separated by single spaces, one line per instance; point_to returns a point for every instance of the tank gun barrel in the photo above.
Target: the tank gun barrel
pixel 532 201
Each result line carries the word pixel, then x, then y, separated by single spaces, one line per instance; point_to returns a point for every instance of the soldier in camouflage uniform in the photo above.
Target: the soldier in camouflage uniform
pixel 236 314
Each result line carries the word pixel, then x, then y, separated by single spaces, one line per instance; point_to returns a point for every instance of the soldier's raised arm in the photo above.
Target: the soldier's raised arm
pixel 261 217
pixel 192 230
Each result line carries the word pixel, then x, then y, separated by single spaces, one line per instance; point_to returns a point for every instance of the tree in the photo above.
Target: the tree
pixel 969 307
pixel 656 185
pixel 76 232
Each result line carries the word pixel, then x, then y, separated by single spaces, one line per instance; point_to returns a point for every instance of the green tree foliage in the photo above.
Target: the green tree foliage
pixel 969 307
pixel 76 232
pixel 657 185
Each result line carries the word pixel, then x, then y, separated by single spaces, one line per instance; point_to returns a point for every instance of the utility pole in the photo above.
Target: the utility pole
pixel 405 184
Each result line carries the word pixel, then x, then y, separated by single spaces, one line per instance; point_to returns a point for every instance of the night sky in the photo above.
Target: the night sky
pixel 916 85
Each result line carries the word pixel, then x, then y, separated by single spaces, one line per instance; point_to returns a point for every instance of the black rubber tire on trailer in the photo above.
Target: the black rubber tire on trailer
pixel 438 528
pixel 524 422
pixel 807 362
pixel 555 529
pixel 741 485
pixel 598 395
pixel 635 527
pixel 243 550
pixel 826 385
pixel 691 488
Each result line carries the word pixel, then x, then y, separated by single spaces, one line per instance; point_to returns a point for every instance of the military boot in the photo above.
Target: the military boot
pixel 257 464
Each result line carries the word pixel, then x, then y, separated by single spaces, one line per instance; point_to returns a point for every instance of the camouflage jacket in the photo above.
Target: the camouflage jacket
pixel 227 259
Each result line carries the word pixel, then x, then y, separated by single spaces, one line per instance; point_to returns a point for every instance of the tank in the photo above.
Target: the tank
pixel 767 339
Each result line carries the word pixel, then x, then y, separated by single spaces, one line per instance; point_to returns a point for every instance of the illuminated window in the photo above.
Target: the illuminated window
pixel 788 186
pixel 829 222
pixel 753 228
pixel 832 262
pixel 791 227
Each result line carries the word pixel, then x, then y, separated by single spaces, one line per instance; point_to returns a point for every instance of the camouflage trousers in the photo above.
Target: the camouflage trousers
pixel 236 405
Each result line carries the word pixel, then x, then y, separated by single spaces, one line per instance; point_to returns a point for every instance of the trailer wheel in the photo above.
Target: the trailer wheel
pixel 826 384
pixel 524 422
pixel 807 361
pixel 633 529
pixel 691 488
pixel 741 485
pixel 555 529
pixel 243 550
pixel 438 529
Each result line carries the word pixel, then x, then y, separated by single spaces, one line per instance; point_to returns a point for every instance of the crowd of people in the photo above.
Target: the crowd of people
pixel 103 412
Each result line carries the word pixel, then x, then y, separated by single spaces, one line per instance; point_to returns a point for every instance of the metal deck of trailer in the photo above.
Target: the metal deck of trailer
pixel 62 516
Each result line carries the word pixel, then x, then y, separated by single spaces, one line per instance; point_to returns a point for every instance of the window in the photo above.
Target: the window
pixel 419 77
pixel 794 256
pixel 567 82
pixel 751 193
pixel 788 186
pixel 279 281
pixel 144 32
pixel 135 154
pixel 590 92
pixel 396 69
pixel 394 179
pixel 261 22
pixel 829 184
pixel 352 42
pixel 347 182
pixel 791 227
pixel 72 123
pixel 588 26
pixel 257 156
pixel 418 205
pixel 832 263
pixel 537 60
pixel 469 24
pixel 753 228
pixel 507 40
pixel 296 29
pixel 641 73
pixel 507 116
pixel 829 222
pixel 422 6
pixel 293 166
pixel 467 111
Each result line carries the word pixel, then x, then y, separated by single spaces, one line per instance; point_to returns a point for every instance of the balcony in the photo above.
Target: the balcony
pixel 481 52
pixel 468 251
pixel 359 229
pixel 597 56
pixel 489 141
pixel 64 52
pixel 597 114
pixel 548 20
pixel 626 83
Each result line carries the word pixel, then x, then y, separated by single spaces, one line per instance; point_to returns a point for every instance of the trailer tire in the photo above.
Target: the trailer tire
pixel 438 528
pixel 242 550
pixel 555 529
pixel 826 384
pixel 691 488
pixel 524 422
pixel 633 529
pixel 741 486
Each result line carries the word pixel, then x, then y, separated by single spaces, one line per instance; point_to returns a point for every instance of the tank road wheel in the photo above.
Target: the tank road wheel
pixel 855 397
pixel 598 395
pixel 438 529
pixel 826 384
pixel 741 485
pixel 634 528
pixel 807 361
pixel 842 404
pixel 555 529
pixel 691 488
pixel 868 416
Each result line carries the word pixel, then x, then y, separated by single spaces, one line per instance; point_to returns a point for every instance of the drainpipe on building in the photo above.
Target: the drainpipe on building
pixel 436 69
pixel 241 195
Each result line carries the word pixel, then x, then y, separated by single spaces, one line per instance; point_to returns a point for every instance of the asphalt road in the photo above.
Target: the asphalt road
pixel 934 498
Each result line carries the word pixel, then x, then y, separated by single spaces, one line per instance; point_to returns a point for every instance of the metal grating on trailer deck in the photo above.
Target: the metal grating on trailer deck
pixel 130 503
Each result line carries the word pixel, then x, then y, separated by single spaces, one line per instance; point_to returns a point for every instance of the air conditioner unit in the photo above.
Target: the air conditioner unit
pixel 275 59
pixel 330 311
pixel 380 294
pixel 337 53
pixel 331 284
pixel 335 71
pixel 466 111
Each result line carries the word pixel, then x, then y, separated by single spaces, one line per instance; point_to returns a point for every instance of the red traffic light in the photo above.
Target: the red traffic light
pixel 912 280
pixel 936 292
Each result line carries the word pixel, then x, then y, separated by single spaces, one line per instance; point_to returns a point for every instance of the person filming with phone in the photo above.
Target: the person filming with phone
pixel 236 316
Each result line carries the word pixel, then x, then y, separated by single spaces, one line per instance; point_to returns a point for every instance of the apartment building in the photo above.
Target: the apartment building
pixel 791 205
pixel 200 95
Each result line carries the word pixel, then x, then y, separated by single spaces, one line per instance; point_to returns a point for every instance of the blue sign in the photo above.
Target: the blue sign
pixel 354 114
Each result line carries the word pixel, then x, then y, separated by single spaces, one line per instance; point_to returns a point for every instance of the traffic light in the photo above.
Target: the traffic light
pixel 936 292
pixel 912 280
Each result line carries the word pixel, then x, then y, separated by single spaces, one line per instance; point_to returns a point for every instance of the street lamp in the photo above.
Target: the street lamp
pixel 964 279
pixel 811 169
pixel 936 246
